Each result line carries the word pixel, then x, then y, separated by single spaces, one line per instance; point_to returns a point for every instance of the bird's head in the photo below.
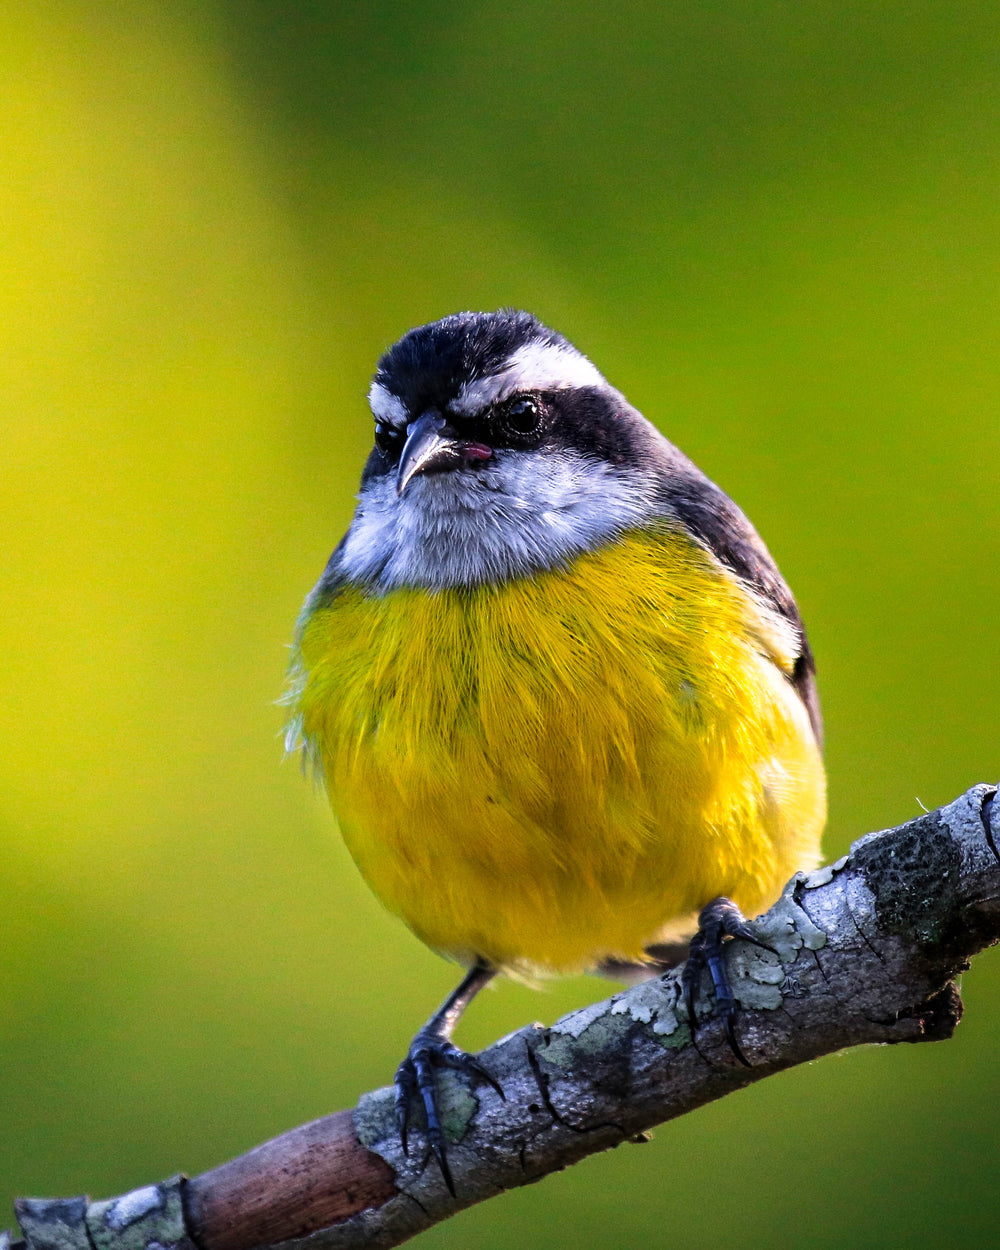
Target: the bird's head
pixel 499 450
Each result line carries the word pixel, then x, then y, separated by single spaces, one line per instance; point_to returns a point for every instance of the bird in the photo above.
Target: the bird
pixel 559 694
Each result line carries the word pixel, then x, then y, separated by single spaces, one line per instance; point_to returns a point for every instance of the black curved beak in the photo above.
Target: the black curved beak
pixel 427 446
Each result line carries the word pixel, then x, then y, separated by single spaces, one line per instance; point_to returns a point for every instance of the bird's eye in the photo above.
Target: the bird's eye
pixel 521 415
pixel 387 437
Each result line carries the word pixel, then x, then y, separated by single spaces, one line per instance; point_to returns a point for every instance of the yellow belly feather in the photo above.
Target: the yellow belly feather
pixel 554 770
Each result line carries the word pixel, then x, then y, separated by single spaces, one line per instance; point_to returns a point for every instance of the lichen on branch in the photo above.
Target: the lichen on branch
pixel 864 950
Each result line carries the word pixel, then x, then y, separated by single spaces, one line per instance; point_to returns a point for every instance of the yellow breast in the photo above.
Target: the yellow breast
pixel 553 770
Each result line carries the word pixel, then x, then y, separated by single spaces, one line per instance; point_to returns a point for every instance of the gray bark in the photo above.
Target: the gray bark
pixel 866 951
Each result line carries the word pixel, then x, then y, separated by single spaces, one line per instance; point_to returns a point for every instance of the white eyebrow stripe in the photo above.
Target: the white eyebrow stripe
pixel 387 407
pixel 533 367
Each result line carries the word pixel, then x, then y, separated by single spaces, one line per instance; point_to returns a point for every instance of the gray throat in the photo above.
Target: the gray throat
pixel 525 512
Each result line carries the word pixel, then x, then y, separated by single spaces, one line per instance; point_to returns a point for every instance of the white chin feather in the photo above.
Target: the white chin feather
pixel 524 512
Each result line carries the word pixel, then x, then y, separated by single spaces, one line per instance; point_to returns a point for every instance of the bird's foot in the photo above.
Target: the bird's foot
pixel 721 919
pixel 429 1052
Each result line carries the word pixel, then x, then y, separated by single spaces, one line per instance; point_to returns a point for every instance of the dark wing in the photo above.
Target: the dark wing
pixel 713 518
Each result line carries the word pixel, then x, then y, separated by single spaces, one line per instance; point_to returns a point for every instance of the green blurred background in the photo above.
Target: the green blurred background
pixel 775 225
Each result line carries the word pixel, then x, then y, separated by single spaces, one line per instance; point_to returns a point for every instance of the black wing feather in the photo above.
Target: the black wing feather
pixel 712 517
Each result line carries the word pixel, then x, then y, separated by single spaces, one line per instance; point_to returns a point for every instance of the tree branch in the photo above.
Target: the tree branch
pixel 867 951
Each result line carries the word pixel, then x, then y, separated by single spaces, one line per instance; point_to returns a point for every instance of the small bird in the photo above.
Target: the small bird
pixel 560 696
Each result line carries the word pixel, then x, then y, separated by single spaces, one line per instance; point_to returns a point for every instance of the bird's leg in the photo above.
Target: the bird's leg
pixel 721 919
pixel 432 1048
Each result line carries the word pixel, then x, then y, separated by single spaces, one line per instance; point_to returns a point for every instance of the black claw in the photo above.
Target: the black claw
pixel 721 919
pixel 471 1065
pixel 442 1158
pixel 418 1074
pixel 731 1038
pixel 431 1049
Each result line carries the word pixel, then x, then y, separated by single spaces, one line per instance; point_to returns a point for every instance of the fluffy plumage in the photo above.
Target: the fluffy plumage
pixel 552 772
pixel 558 691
